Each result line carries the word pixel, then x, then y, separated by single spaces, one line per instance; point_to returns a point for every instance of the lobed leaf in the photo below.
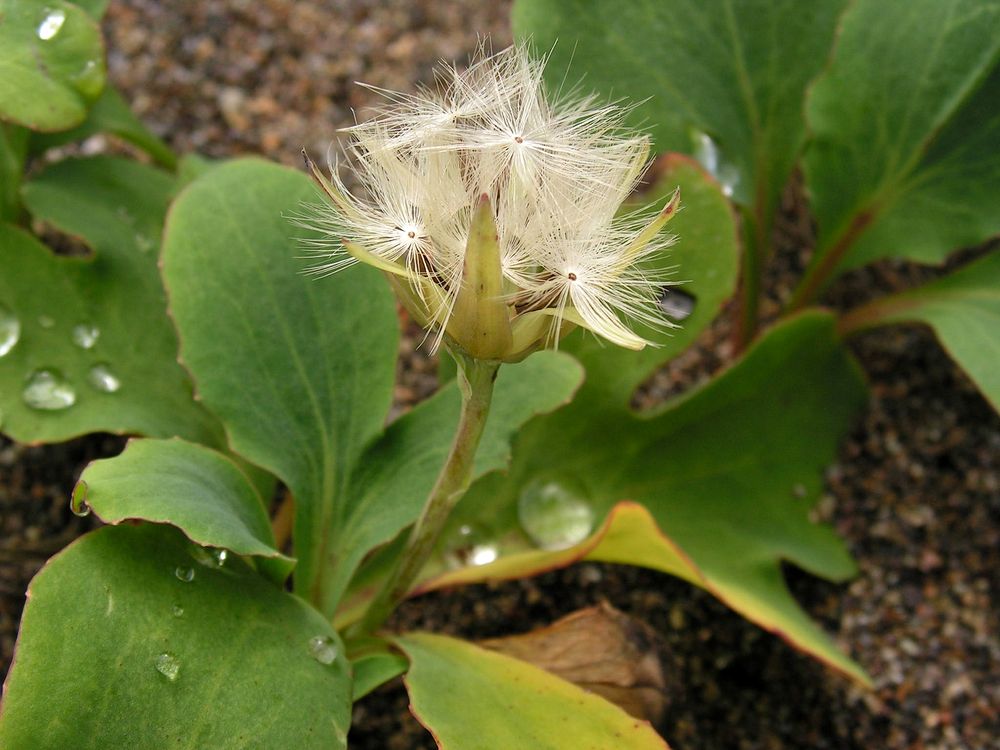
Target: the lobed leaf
pixel 120 647
pixel 720 472
pixel 106 310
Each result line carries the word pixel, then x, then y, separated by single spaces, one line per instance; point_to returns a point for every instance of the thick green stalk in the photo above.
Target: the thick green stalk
pixel 475 379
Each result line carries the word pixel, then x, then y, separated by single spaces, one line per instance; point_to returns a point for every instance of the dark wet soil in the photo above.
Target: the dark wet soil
pixel 915 490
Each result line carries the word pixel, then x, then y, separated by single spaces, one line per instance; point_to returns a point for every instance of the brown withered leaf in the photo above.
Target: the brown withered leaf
pixel 601 650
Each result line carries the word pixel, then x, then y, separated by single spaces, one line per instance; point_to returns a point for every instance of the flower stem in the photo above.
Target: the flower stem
pixel 475 380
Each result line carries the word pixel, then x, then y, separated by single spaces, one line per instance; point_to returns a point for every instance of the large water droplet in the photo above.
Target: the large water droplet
pixel 184 574
pixel 51 24
pixel 101 377
pixel 10 330
pixel 78 500
pixel 470 544
pixel 323 649
pixel 555 513
pixel 167 665
pixel 48 390
pixel 85 335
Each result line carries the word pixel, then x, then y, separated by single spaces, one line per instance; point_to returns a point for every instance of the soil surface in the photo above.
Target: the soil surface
pixel 915 490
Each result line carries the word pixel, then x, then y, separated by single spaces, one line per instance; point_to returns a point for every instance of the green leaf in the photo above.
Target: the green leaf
pixel 375 662
pixel 473 699
pixel 119 649
pixel 51 63
pixel 962 308
pixel 905 159
pixel 396 474
pixel 95 8
pixel 117 207
pixel 719 470
pixel 194 488
pixel 736 71
pixel 299 370
pixel 110 114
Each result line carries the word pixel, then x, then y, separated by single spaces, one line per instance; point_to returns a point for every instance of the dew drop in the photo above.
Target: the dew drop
pixel 51 24
pixel 323 649
pixel 470 544
pixel 707 152
pixel 45 321
pixel 184 574
pixel 10 330
pixel 78 500
pixel 177 610
pixel 167 665
pixel 85 335
pixel 676 304
pixel 48 390
pixel 555 513
pixel 101 377
pixel 220 556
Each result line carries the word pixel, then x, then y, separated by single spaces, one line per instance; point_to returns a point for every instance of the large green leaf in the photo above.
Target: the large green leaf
pixel 470 698
pixel 300 370
pixel 735 71
pixel 723 472
pixel 905 158
pixel 61 304
pixel 120 647
pixel 395 476
pixel 51 63
pixel 192 487
pixel 110 114
pixel 962 308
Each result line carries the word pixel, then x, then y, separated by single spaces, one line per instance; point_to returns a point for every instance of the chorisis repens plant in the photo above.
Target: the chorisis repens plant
pixel 494 212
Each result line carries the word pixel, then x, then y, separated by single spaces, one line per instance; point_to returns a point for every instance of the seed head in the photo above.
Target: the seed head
pixel 494 210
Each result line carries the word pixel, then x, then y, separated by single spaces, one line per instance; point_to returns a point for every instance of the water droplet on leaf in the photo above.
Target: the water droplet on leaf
pixel 167 665
pixel 177 610
pixel 707 152
pixel 677 304
pixel 48 390
pixel 10 330
pixel 220 556
pixel 50 25
pixel 323 649
pixel 184 574
pixel 555 513
pixel 85 335
pixel 45 321
pixel 469 544
pixel 101 377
